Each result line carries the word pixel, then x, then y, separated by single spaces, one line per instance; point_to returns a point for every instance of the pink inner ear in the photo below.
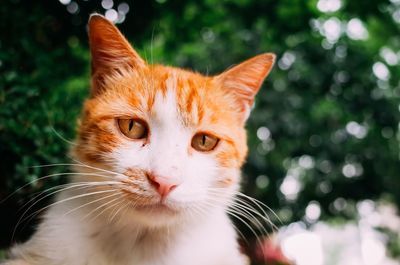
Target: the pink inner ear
pixel 245 79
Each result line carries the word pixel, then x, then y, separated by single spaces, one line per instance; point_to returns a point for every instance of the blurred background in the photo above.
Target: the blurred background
pixel 324 134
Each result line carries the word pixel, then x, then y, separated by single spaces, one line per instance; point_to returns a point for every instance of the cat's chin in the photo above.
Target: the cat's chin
pixel 157 214
pixel 157 208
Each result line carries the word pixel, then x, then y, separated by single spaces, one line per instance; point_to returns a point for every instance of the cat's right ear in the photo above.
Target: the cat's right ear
pixel 110 51
pixel 244 80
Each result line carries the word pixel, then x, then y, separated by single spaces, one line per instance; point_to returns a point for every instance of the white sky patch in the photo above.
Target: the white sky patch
pixel 262 182
pixel 389 56
pixel 373 251
pixel 381 71
pixel 290 187
pixel 107 4
pixel 332 29
pixel 322 243
pixel 123 8
pixel 263 133
pixel 328 6
pixel 306 161
pixel 352 170
pixel 365 207
pixel 287 60
pixel 396 16
pixel 65 2
pixel 357 130
pixel 313 211
pixel 73 7
pixel 305 248
pixel 112 15
pixel 356 30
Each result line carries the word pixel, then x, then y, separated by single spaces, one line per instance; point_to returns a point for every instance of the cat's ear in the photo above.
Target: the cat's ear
pixel 244 80
pixel 110 51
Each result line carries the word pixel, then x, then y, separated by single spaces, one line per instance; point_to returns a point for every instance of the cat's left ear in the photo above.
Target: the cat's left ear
pixel 110 51
pixel 244 80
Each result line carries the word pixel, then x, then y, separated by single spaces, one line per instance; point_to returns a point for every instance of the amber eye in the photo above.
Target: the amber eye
pixel 134 129
pixel 204 142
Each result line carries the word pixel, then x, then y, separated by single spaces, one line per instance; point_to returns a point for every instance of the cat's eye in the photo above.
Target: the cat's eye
pixel 204 142
pixel 132 128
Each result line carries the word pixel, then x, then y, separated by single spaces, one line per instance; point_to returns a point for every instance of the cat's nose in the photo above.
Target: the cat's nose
pixel 163 185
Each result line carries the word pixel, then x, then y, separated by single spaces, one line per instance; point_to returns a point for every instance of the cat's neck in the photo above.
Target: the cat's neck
pixel 129 238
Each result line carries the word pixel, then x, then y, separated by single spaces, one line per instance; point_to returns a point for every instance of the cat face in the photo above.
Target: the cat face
pixel 175 139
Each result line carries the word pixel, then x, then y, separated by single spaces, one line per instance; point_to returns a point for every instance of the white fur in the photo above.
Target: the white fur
pixel 201 234
pixel 167 153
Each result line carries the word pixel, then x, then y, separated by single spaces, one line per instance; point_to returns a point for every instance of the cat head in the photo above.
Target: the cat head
pixel 174 140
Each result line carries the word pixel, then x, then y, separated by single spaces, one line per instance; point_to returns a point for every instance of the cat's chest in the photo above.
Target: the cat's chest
pixel 203 243
pixel 146 248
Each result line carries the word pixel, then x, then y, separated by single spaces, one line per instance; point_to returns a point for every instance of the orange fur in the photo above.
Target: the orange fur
pixel 134 176
pixel 123 85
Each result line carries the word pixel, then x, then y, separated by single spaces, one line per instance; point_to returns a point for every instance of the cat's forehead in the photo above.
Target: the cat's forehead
pixel 164 105
pixel 192 98
pixel 162 93
pixel 183 94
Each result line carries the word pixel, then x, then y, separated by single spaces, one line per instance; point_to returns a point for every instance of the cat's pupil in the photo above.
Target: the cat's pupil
pixel 203 138
pixel 130 125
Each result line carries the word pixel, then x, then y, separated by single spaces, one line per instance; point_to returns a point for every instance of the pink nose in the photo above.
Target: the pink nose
pixel 163 185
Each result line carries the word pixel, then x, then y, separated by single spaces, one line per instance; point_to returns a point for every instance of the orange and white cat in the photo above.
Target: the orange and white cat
pixel 158 157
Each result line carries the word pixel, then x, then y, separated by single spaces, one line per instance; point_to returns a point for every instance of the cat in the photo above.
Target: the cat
pixel 157 161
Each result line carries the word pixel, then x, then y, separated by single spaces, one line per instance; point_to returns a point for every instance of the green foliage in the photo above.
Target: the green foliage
pixel 327 113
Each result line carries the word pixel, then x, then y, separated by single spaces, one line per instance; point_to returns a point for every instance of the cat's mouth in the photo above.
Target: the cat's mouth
pixel 159 207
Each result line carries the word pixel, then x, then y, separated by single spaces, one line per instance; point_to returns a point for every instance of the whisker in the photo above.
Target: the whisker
pixel 79 185
pixel 91 202
pixel 202 210
pixel 102 205
pixel 258 203
pixel 240 209
pixel 234 214
pixel 119 208
pixel 47 190
pixel 92 167
pixel 244 211
pixel 251 217
pixel 78 196
pixel 62 137
pixel 263 216
pixel 32 215
pixel 128 204
pixel 79 164
pixel 47 177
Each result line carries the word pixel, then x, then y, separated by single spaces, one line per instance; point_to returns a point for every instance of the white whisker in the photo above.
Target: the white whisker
pixel 91 202
pixel 101 206
pixel 23 219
